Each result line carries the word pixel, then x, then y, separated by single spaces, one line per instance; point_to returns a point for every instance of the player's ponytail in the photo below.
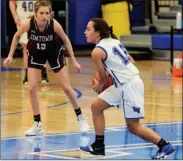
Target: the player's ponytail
pixel 111 33
pixel 103 28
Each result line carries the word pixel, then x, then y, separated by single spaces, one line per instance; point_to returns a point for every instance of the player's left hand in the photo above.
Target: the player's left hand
pixel 77 66
pixel 98 86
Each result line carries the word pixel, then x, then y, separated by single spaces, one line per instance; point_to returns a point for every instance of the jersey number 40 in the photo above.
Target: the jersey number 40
pixel 28 6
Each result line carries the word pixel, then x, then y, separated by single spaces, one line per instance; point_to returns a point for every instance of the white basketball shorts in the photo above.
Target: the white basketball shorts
pixel 129 96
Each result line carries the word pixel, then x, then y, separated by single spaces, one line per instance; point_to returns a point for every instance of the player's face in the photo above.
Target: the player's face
pixel 91 35
pixel 43 14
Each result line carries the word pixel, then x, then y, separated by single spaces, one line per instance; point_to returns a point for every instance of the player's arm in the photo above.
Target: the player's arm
pixel 98 55
pixel 131 59
pixel 12 6
pixel 60 32
pixel 23 28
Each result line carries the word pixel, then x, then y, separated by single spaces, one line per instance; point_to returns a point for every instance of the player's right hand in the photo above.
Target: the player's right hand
pixel 7 61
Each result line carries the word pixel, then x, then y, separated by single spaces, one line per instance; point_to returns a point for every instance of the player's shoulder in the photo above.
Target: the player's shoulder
pixel 55 22
pixel 98 53
pixel 107 41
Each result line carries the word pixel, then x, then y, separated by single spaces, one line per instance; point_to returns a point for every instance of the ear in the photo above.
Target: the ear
pixel 97 33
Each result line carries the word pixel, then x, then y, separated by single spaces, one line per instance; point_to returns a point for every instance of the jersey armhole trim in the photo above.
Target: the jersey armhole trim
pixel 104 52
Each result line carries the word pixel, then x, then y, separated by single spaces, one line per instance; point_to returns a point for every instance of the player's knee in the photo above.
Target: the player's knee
pixel 132 127
pixel 32 88
pixel 95 108
pixel 67 89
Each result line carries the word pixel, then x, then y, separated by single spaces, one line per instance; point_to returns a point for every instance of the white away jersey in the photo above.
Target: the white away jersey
pixel 117 62
pixel 25 8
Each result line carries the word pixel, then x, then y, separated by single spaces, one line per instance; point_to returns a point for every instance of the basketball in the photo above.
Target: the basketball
pixel 109 81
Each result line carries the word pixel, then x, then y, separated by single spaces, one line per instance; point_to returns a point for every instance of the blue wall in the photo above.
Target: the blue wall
pixel 138 13
pixel 80 12
pixel 160 41
pixel 3 24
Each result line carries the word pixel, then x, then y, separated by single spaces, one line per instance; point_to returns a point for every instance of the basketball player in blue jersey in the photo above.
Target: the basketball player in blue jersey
pixel 21 10
pixel 111 56
pixel 45 34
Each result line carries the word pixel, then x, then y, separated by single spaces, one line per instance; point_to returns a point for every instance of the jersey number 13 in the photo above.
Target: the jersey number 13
pixel 41 46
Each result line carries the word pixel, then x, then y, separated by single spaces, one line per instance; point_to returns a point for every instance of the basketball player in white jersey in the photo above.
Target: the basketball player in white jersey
pixel 21 10
pixel 111 56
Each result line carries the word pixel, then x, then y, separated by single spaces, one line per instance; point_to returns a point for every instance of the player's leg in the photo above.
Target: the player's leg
pixel 34 76
pixel 133 105
pixel 107 98
pixel 35 64
pixel 165 148
pixel 59 67
pixel 68 90
pixel 98 146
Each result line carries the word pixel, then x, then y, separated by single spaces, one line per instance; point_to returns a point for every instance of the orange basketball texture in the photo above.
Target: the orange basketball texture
pixel 109 81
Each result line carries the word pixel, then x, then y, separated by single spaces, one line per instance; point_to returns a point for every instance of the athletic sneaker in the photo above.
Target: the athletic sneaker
pixel 93 149
pixel 84 140
pixel 36 129
pixel 84 127
pixel 35 142
pixel 44 74
pixel 25 81
pixel 164 152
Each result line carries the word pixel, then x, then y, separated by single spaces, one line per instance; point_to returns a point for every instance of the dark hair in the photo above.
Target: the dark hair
pixel 101 26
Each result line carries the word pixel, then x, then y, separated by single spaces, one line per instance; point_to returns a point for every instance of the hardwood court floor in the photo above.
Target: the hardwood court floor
pixel 163 98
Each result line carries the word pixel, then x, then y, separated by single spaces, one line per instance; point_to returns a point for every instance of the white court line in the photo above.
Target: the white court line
pixel 139 144
pixel 141 147
pixel 53 156
pixel 110 146
pixel 104 157
pixel 107 128
pixel 112 156
pixel 63 157
pixel 117 152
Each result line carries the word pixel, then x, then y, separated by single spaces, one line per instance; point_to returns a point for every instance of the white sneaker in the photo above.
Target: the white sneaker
pixel 36 129
pixel 84 140
pixel 84 127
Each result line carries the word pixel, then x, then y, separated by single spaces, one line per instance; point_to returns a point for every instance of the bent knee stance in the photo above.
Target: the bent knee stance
pixel 133 126
pixel 95 109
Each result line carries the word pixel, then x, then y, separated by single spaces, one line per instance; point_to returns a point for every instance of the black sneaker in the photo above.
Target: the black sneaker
pixel 25 81
pixel 93 149
pixel 44 74
pixel 164 152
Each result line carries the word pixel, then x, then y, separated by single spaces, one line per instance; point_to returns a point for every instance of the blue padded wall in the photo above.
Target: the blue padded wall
pixel 163 42
pixel 80 12
pixel 3 24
